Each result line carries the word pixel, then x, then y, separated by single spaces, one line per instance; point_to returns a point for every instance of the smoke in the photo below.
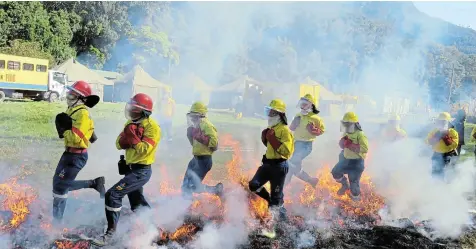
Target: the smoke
pixel 403 177
pixel 231 233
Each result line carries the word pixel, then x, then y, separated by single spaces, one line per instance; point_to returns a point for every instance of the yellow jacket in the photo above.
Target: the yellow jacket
pixel 359 138
pixel 302 133
pixel 198 149
pixel 167 107
pixel 143 152
pixel 284 135
pixel 391 134
pixel 83 128
pixel 440 146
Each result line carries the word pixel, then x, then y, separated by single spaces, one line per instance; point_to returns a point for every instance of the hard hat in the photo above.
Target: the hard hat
pixel 142 101
pixel 350 117
pixel 394 116
pixel 80 88
pixel 278 105
pixel 309 98
pixel 199 107
pixel 445 116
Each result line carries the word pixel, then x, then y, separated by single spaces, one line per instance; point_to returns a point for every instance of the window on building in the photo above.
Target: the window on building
pixel 2 64
pixel 28 67
pixel 40 68
pixel 13 65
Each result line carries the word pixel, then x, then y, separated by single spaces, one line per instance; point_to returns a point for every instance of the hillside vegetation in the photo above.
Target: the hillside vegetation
pixel 334 43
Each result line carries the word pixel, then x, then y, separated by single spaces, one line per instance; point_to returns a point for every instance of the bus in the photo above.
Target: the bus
pixel 30 78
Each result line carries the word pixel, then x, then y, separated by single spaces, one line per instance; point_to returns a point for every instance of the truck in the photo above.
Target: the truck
pixel 30 78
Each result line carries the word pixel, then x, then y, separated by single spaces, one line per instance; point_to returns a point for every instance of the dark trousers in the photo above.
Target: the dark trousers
pixel 439 161
pixel 353 168
pixel 64 180
pixel 302 149
pixel 196 171
pixel 166 127
pixel 275 174
pixel 132 186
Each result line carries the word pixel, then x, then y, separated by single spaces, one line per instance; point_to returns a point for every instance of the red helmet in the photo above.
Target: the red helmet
pixel 142 101
pixel 80 88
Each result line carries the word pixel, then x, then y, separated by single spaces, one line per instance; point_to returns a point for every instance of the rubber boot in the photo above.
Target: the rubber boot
pixel 307 178
pixel 98 185
pixel 263 193
pixel 270 230
pixel 105 239
pixel 59 205
pixel 344 187
pixel 219 189
pixel 355 198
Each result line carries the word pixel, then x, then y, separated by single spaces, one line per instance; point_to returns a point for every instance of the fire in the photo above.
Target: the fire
pixel 16 199
pixel 183 231
pixel 66 244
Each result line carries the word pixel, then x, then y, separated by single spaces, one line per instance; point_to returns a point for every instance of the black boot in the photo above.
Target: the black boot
pixel 98 185
pixel 263 193
pixel 344 187
pixel 105 239
pixel 59 204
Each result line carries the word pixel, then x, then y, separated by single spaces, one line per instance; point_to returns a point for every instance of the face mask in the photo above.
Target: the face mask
pixel 305 111
pixel 193 120
pixel 443 125
pixel 272 121
pixel 132 113
pixel 72 100
pixel 347 127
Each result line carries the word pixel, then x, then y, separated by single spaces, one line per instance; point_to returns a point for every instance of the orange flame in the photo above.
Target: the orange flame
pixel 16 199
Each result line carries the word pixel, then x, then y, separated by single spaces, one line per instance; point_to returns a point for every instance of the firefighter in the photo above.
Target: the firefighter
pixel 167 111
pixel 354 146
pixel 392 131
pixel 306 126
pixel 140 139
pixel 458 125
pixel 444 141
pixel 203 137
pixel 77 129
pixel 278 140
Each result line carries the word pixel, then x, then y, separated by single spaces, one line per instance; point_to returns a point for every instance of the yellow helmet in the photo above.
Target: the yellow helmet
pixel 278 105
pixel 199 107
pixel 309 98
pixel 444 116
pixel 350 117
pixel 394 117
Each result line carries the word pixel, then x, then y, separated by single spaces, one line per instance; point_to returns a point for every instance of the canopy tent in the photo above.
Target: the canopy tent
pixel 109 74
pixel 138 81
pixel 191 88
pixel 76 71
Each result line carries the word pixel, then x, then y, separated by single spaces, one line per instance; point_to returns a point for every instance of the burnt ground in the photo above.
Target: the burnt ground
pixel 41 157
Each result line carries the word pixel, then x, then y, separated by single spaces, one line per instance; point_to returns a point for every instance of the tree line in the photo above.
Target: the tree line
pixel 334 50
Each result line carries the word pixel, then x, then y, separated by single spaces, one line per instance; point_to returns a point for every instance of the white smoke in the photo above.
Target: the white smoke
pixel 403 178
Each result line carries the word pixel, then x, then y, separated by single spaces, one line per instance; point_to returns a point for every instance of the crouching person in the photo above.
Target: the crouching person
pixel 278 140
pixel 444 141
pixel 139 139
pixel 77 129
pixel 354 146
pixel 203 137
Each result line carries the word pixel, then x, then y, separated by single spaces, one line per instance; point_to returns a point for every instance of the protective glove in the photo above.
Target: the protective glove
pixel 313 129
pixel 351 146
pixel 295 123
pixel 342 141
pixel 263 137
pixel 272 139
pixel 447 140
pixel 131 136
pixel 93 138
pixel 201 137
pixel 63 123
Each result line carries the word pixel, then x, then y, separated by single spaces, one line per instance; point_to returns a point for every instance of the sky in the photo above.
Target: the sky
pixel 459 13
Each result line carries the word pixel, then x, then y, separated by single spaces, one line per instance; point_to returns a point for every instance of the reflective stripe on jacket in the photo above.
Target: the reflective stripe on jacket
pixel 284 135
pixel 302 133
pixel 357 137
pixel 83 128
pixel 209 130
pixel 143 152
